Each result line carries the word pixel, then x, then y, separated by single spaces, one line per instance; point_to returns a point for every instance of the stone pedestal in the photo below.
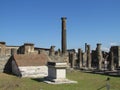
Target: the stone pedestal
pixel 57 73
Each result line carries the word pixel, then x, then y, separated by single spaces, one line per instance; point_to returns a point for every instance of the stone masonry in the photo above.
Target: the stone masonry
pixel 80 63
pixel 2 48
pixel 3 62
pixel 63 42
pixel 99 56
pixel 88 57
pixel 82 59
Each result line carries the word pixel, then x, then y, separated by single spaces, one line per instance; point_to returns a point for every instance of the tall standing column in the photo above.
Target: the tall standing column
pixel 80 58
pixel 64 44
pixel 99 56
pixel 88 57
pixel 72 59
pixel 111 66
pixel 118 56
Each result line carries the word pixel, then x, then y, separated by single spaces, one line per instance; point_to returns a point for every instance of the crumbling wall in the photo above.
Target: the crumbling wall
pixel 2 48
pixel 3 62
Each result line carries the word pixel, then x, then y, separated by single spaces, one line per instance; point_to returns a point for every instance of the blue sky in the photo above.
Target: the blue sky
pixel 39 22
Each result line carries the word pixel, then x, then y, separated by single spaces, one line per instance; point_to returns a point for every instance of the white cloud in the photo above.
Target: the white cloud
pixel 113 44
pixel 105 49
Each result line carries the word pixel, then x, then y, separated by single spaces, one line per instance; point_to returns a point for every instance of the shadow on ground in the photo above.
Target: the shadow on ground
pixel 38 79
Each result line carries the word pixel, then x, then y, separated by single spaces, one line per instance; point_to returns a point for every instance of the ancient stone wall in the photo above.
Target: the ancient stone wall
pixel 116 55
pixel 3 62
pixel 2 48
pixel 28 48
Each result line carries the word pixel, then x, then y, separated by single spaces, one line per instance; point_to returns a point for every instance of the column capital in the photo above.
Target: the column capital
pixel 63 18
pixel 99 44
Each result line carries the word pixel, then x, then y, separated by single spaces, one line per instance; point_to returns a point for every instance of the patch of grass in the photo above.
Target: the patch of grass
pixel 86 81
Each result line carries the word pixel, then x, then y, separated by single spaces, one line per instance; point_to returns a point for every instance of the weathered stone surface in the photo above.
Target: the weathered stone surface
pixel 99 56
pixel 3 61
pixel 72 59
pixel 64 43
pixel 2 48
pixel 85 47
pixel 28 48
pixel 57 70
pixel 111 66
pixel 116 54
pixel 52 51
pixel 84 59
pixel 13 51
pixel 88 57
pixel 80 58
pixel 34 71
pixel 57 73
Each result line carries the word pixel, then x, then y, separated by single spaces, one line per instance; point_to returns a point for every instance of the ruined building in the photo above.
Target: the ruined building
pixel 115 56
pixel 19 59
